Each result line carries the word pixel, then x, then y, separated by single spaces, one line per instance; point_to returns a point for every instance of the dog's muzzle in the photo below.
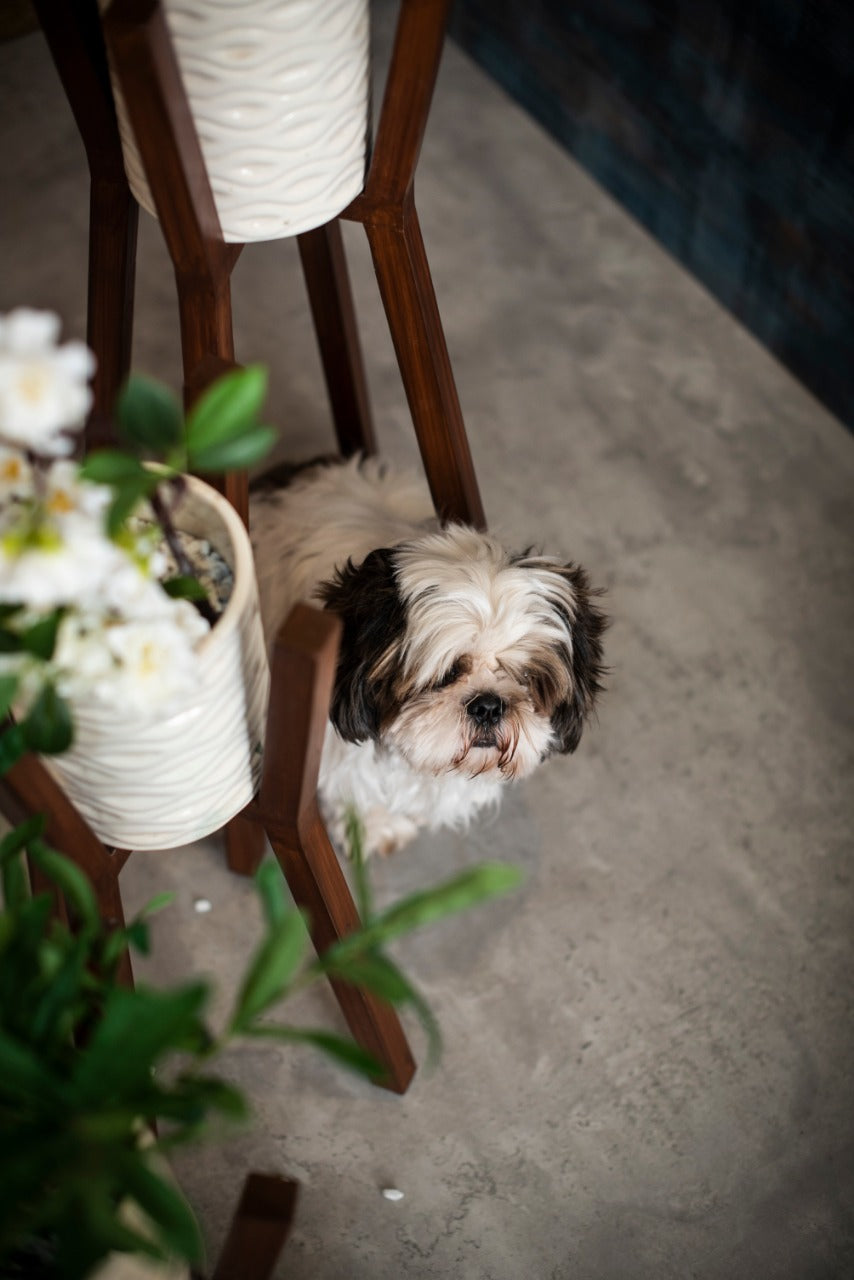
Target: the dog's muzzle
pixel 486 710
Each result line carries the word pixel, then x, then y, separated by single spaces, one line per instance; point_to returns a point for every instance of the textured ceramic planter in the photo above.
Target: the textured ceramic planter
pixel 279 92
pixel 145 784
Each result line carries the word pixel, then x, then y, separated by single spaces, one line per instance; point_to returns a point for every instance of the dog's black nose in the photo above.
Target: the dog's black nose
pixel 486 709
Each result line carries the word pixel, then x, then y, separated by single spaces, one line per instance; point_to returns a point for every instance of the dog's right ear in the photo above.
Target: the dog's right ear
pixel 367 600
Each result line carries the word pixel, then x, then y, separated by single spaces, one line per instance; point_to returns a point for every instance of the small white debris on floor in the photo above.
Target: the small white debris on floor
pixel 202 905
pixel 392 1193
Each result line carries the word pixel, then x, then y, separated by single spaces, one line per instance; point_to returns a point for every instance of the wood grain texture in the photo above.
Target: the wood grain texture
pixel 304 661
pixel 330 297
pixel 73 34
pixel 259 1229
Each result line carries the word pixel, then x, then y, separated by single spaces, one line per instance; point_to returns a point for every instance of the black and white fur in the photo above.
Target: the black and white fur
pixel 461 667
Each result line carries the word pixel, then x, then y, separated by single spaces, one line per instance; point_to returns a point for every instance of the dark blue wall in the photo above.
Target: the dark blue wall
pixel 726 128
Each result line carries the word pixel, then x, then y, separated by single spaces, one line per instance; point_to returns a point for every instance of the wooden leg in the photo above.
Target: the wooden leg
pixel 113 219
pixel 407 292
pixel 331 300
pixel 73 34
pixel 303 672
pixel 245 845
pixel 259 1229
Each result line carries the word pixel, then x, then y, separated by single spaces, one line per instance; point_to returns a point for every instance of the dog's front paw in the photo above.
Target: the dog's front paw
pixel 385 833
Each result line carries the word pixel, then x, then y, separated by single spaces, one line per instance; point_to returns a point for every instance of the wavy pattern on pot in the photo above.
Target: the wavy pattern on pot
pixel 143 784
pixel 280 95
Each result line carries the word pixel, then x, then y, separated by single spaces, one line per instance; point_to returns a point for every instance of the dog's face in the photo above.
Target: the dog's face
pixel 464 658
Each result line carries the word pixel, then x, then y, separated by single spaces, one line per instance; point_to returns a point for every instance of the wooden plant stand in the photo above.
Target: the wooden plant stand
pixel 143 59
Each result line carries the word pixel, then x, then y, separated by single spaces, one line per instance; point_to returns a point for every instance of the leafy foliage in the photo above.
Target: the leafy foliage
pixel 221 433
pixel 87 1066
pixel 98 1080
pixel 46 727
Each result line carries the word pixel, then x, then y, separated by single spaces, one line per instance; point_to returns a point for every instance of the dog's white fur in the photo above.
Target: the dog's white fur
pixel 461 667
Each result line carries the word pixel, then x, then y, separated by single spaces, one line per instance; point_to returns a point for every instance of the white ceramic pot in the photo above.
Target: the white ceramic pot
pixel 144 784
pixel 279 91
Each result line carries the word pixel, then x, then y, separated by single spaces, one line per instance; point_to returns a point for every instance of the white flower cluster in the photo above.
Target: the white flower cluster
pixel 122 640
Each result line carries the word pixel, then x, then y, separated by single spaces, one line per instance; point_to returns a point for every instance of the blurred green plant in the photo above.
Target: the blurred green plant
pixel 99 1081
pixel 88 1066
pixel 221 432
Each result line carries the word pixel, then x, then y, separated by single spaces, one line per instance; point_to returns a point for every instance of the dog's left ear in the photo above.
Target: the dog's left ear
pixel 585 627
pixel 367 600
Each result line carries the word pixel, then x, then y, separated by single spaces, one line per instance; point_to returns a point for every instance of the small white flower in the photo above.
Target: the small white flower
pixel 69 569
pixel 132 594
pixel 26 331
pixel 30 674
pixel 44 388
pixel 16 476
pixel 155 664
pixel 67 495
pixel 188 619
pixel 81 658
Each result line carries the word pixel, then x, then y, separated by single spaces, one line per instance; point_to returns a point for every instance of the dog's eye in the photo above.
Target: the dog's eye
pixel 451 675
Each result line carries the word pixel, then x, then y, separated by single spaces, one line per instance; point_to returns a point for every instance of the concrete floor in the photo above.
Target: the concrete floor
pixel 647 1067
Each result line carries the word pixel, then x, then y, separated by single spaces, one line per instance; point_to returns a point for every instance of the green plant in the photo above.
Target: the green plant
pixel 220 433
pixel 87 1066
pixel 86 593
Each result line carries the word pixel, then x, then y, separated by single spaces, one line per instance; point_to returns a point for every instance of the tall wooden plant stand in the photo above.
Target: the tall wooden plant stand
pixel 143 59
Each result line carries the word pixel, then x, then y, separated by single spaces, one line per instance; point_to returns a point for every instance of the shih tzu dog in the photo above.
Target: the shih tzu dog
pixel 461 666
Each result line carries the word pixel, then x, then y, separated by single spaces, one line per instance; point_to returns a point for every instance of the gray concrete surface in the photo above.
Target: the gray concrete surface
pixel 647 1067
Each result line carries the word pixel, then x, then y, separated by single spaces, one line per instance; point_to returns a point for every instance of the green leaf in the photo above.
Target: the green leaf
pixel 118 942
pixel 99 1231
pixel 109 466
pixel 234 455
pixel 184 587
pixel 15 883
pixel 379 974
pixel 161 1201
pixel 23 1075
pixel 373 971
pixel 136 934
pixel 135 1030
pixel 227 409
pixel 271 888
pixel 21 835
pixel 212 1094
pixel 32 925
pixel 52 1016
pixel 346 1052
pixel 40 638
pixel 273 966
pixel 69 879
pixel 8 689
pixel 126 498
pixel 12 746
pixel 149 416
pixel 48 727
pixel 458 894
pixel 187 1102
pixel 354 836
